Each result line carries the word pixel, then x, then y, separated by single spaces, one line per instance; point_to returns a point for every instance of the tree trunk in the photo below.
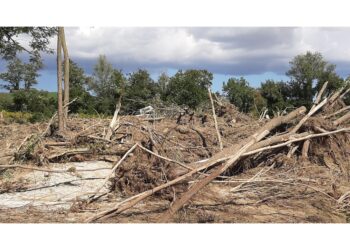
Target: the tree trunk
pixel 59 84
pixel 66 75
pixel 215 121
pixel 342 119
pixel 115 121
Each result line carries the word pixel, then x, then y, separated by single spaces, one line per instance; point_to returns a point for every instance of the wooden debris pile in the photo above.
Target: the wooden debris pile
pixel 174 159
pixel 300 134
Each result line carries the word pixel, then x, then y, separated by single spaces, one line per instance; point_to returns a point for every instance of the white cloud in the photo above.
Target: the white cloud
pixel 225 50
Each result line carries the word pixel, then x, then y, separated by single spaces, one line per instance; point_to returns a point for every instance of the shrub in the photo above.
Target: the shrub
pixel 40 103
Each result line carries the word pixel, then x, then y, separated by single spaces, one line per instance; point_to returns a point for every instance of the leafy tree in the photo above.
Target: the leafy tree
pixel 78 88
pixel 259 102
pixel 39 103
pixel 163 82
pixel 309 70
pixel 239 93
pixel 274 94
pixel 140 90
pixel 106 85
pixel 13 75
pixel 39 40
pixel 30 74
pixel 102 77
pixel 18 72
pixel 189 87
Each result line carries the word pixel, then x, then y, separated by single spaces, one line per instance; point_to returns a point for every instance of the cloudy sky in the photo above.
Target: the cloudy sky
pixel 255 53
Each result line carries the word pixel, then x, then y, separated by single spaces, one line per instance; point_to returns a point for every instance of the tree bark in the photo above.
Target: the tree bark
pixel 59 84
pixel 305 150
pixel 66 75
pixel 342 119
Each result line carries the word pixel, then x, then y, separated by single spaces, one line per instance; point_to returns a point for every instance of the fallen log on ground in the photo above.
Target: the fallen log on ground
pixel 242 147
pixel 132 201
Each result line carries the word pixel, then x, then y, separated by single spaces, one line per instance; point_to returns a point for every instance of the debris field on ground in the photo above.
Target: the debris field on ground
pixel 171 168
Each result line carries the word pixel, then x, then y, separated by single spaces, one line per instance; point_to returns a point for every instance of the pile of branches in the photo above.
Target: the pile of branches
pixel 300 132
pixel 174 158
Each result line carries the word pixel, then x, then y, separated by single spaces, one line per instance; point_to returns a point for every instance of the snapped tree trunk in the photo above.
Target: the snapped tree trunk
pixel 113 126
pixel 59 84
pixel 66 75
pixel 215 121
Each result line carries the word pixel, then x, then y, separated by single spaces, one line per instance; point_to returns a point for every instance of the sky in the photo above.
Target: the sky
pixel 256 53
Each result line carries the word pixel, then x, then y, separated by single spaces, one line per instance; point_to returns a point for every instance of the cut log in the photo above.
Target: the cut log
pixel 305 150
pixel 345 93
pixel 319 95
pixel 68 153
pixel 342 119
pixel 338 112
pixel 311 112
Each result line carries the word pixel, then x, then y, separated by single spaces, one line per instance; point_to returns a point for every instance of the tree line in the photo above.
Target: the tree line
pixel 99 92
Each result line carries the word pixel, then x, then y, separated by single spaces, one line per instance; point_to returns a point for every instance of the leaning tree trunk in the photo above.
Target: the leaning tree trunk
pixel 66 75
pixel 59 84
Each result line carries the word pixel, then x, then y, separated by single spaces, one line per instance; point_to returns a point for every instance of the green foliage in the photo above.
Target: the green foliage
pixel 163 82
pixel 347 97
pixel 140 90
pixel 239 93
pixel 18 72
pixel 276 95
pixel 39 103
pixel 19 117
pixel 38 41
pixel 107 84
pixel 6 101
pixel 308 73
pixel 13 75
pixel 259 102
pixel 189 88
pixel 79 82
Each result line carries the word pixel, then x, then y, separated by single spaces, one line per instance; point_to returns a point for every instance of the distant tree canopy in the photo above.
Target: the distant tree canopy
pixel 308 72
pixel 10 49
pixel 188 87
pixel 18 72
pixel 276 95
pixel 239 93
pixel 139 91
pixel 100 91
pixel 106 85
pixel 79 84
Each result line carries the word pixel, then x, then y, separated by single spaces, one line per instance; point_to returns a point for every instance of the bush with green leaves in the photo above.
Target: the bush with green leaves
pixel 239 93
pixel 6 101
pixel 40 103
pixel 188 88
